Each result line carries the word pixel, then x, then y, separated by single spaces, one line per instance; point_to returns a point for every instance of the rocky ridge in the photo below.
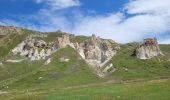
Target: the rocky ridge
pixel 10 29
pixel 148 49
pixel 36 49
pixel 95 51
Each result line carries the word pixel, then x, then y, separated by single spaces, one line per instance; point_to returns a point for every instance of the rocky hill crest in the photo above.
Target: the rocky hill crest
pixel 148 49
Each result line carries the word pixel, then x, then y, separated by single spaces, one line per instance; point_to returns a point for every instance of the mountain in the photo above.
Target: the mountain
pixel 34 65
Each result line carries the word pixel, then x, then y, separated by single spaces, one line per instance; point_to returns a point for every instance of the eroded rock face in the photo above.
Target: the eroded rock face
pixel 97 52
pixel 63 41
pixel 148 49
pixel 38 49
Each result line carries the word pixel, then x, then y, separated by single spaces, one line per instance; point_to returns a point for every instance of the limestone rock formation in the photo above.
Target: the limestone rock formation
pixel 109 69
pixel 148 49
pixel 48 61
pixel 38 49
pixel 63 41
pixel 9 29
pixel 97 52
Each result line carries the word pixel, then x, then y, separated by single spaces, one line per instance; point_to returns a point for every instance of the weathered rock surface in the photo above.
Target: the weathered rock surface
pixel 48 61
pixel 38 49
pixel 63 41
pixel 64 59
pixel 9 29
pixel 15 61
pixel 97 52
pixel 148 49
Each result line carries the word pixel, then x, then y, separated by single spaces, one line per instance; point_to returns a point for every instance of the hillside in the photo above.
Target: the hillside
pixel 77 66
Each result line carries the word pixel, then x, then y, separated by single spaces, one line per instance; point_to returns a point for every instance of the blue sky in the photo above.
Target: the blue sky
pixel 121 20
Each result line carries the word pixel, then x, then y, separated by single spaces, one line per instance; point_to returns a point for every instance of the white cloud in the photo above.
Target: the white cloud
pixel 59 4
pixel 150 18
pixel 148 6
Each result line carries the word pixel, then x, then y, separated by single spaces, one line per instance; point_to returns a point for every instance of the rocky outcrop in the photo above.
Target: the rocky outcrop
pixel 9 29
pixel 64 59
pixel 48 61
pixel 97 52
pixel 63 41
pixel 38 49
pixel 148 49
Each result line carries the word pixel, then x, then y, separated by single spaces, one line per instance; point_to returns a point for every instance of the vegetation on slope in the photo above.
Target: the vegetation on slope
pixel 56 74
pixel 36 81
pixel 11 40
pixel 129 67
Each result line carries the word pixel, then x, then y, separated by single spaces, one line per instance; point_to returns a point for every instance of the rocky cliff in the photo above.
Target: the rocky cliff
pixel 95 51
pixel 37 49
pixel 148 49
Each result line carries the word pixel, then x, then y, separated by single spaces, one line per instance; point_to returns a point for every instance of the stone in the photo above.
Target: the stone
pixel 48 61
pixel 96 49
pixel 40 78
pixel 4 30
pixel 63 41
pixel 97 52
pixel 64 59
pixel 15 61
pixel 1 64
pixel 148 49
pixel 107 68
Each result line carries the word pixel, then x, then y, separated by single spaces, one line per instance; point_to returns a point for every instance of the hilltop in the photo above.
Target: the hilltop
pixel 37 62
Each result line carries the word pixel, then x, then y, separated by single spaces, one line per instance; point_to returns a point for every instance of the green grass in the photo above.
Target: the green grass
pixel 131 91
pixel 32 80
pixel 149 90
pixel 11 41
pixel 79 39
pixel 56 74
pixel 129 67
pixel 166 50
pixel 51 37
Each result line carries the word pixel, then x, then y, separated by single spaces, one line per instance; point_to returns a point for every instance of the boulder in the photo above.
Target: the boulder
pixel 148 49
pixel 63 41
pixel 64 59
pixel 48 61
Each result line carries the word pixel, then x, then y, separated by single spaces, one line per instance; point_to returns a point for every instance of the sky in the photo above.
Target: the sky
pixel 121 20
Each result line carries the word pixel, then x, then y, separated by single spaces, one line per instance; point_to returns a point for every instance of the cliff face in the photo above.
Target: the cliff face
pixel 37 49
pixel 148 49
pixel 95 51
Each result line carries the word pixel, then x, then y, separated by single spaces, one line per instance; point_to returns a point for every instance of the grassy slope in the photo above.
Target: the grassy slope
pixel 149 90
pixel 55 76
pixel 129 67
pixel 51 37
pixel 156 90
pixel 10 41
